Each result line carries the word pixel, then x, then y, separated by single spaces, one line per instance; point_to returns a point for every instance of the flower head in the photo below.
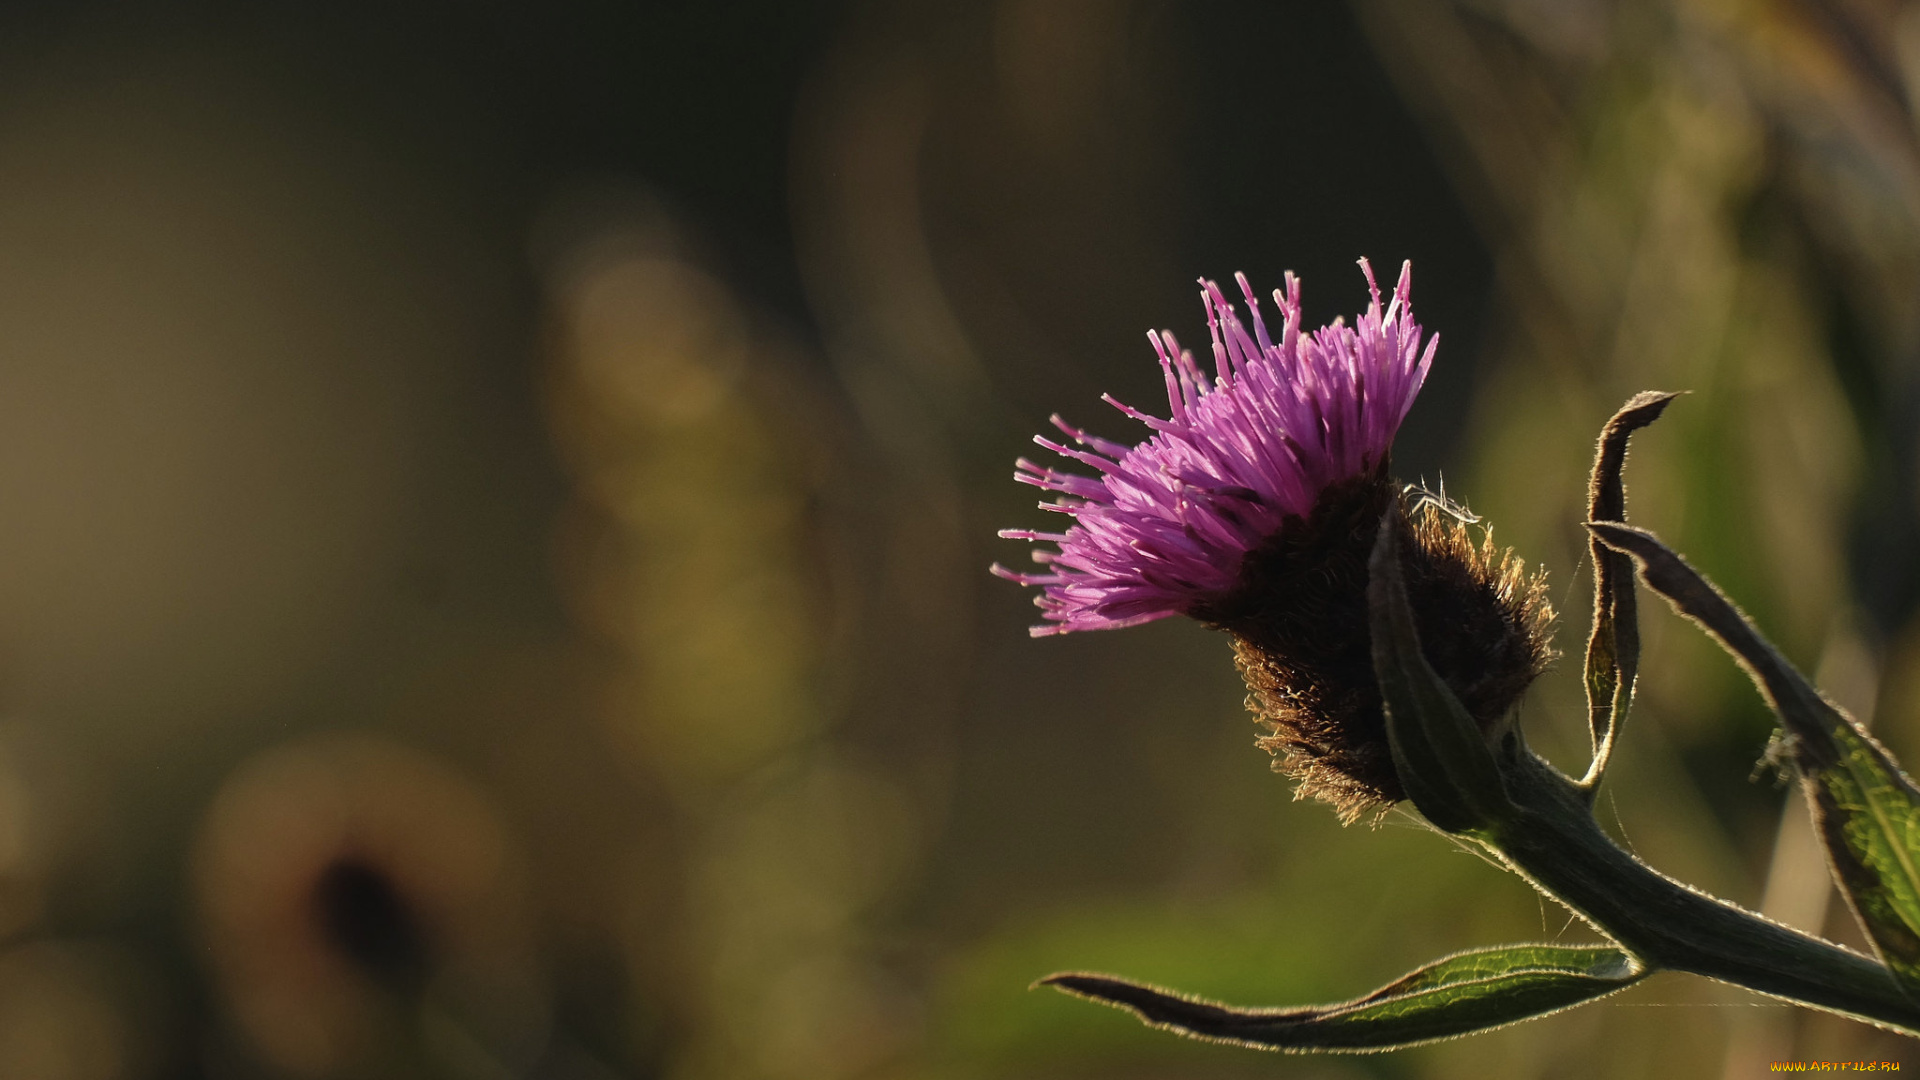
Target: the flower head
pixel 1166 526
pixel 1254 508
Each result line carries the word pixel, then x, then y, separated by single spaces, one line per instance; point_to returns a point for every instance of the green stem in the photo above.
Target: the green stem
pixel 1552 840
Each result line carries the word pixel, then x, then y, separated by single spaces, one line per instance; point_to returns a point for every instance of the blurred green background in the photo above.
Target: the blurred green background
pixel 495 500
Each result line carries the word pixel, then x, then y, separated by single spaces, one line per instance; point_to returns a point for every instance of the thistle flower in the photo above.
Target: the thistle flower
pixel 1253 508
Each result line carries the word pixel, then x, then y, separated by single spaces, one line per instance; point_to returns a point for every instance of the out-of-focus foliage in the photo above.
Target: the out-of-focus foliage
pixel 495 500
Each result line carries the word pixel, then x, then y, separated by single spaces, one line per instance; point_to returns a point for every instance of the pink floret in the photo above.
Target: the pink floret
pixel 1163 526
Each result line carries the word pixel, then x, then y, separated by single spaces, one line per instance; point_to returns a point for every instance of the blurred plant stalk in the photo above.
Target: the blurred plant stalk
pixel 692 551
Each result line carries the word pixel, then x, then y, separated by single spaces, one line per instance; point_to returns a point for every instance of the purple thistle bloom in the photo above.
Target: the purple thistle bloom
pixel 1165 526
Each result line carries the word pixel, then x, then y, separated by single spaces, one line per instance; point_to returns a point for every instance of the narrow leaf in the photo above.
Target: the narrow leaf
pixel 1459 995
pixel 1613 647
pixel 1866 809
pixel 1441 757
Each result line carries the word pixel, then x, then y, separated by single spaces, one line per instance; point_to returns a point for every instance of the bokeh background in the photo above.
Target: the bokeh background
pixel 495 501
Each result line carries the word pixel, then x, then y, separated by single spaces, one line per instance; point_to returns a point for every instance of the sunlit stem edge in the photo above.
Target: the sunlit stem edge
pixel 1551 840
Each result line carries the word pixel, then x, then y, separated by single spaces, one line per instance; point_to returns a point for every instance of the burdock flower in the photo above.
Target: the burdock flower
pixel 1253 508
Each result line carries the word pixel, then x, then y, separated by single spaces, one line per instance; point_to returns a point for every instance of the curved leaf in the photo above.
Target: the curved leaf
pixel 1458 995
pixel 1869 817
pixel 1613 646
pixel 1866 809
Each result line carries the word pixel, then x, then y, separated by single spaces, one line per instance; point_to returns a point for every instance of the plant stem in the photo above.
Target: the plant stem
pixel 1553 841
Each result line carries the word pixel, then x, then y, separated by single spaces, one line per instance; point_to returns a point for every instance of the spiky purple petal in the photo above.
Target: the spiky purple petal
pixel 1166 524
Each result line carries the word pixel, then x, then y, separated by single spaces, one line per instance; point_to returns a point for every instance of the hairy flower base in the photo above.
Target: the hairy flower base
pixel 1299 621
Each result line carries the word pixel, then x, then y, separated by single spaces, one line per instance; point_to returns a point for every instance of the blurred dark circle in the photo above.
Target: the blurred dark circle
pixel 349 889
pixel 363 915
